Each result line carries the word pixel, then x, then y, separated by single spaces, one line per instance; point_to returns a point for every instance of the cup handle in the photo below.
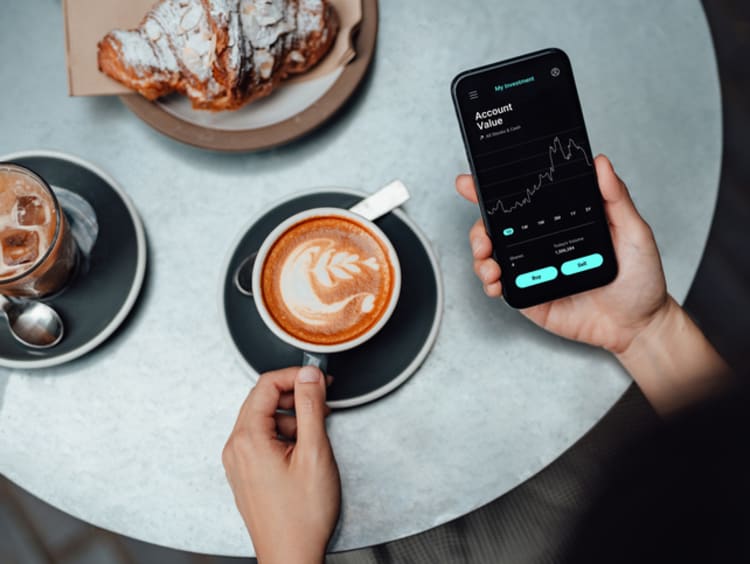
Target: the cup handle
pixel 315 359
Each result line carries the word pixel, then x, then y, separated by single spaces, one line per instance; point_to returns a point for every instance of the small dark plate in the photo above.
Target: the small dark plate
pixel 379 365
pixel 100 296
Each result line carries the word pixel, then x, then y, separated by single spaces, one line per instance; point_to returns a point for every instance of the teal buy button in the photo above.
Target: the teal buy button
pixel 536 277
pixel 582 264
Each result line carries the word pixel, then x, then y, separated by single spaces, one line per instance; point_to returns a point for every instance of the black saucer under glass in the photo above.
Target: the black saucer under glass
pixel 106 284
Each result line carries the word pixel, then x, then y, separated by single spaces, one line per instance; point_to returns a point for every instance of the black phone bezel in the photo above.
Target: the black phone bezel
pixel 517 299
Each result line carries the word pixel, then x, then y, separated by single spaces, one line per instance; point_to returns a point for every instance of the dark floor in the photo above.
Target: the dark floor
pixel 32 532
pixel 530 523
pixel 720 296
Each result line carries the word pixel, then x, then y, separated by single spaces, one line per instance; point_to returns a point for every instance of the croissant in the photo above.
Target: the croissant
pixel 222 54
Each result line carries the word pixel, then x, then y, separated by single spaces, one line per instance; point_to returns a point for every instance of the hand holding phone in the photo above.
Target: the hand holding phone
pixel 609 316
pixel 529 153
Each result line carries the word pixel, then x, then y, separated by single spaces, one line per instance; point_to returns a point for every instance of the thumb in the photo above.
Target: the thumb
pixel 310 407
pixel 618 204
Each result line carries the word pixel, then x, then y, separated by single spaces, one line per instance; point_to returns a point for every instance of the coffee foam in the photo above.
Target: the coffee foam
pixel 13 186
pixel 327 280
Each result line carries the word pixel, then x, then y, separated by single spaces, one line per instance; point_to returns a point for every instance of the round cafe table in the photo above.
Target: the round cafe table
pixel 129 437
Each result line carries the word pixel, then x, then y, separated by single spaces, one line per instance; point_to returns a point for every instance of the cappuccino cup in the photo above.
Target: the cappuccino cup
pixel 326 280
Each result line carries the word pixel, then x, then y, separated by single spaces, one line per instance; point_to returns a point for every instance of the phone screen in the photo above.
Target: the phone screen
pixel 529 153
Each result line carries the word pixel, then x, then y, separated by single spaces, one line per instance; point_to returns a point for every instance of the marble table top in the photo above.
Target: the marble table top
pixel 129 437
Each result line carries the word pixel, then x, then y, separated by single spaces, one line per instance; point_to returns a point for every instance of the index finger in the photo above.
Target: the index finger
pixel 465 187
pixel 258 410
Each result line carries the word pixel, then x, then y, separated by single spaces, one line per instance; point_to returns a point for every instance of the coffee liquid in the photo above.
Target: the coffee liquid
pixel 32 239
pixel 327 280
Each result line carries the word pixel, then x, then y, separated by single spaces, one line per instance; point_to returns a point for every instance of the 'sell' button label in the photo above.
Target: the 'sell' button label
pixel 582 264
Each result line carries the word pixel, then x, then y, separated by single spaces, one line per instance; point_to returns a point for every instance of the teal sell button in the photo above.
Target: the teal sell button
pixel 582 264
pixel 508 231
pixel 536 277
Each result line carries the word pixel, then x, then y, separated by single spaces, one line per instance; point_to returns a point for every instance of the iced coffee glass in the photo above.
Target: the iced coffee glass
pixel 37 249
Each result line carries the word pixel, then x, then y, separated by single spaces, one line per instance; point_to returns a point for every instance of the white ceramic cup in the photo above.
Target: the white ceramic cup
pixel 291 339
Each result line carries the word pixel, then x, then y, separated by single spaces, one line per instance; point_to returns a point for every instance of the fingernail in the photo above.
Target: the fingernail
pixel 476 245
pixel 308 375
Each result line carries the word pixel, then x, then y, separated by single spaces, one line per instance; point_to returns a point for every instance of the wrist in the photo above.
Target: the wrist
pixel 291 552
pixel 659 324
pixel 673 363
pixel 291 557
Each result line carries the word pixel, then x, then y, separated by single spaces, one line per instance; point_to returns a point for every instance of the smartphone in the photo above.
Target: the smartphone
pixel 529 153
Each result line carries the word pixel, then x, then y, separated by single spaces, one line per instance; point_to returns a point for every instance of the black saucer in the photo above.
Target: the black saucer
pixel 102 294
pixel 381 364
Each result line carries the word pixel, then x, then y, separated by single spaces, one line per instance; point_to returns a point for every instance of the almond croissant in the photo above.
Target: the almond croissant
pixel 221 53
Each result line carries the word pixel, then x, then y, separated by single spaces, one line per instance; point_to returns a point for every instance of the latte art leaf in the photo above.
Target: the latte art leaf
pixel 327 280
pixel 317 265
pixel 339 265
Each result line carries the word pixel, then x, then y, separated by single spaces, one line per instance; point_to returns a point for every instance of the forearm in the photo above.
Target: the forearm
pixel 673 363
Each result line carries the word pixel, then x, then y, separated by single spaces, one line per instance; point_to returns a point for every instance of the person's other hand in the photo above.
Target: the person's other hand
pixel 287 489
pixel 609 316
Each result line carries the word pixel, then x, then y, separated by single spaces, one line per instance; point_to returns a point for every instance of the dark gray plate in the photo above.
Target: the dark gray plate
pixel 101 295
pixel 381 364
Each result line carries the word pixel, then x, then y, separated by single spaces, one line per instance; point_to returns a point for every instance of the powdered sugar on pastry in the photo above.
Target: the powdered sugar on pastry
pixel 225 16
pixel 221 53
pixel 310 16
pixel 185 24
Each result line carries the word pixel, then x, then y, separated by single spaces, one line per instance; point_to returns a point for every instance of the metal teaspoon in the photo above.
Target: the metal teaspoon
pixel 33 324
